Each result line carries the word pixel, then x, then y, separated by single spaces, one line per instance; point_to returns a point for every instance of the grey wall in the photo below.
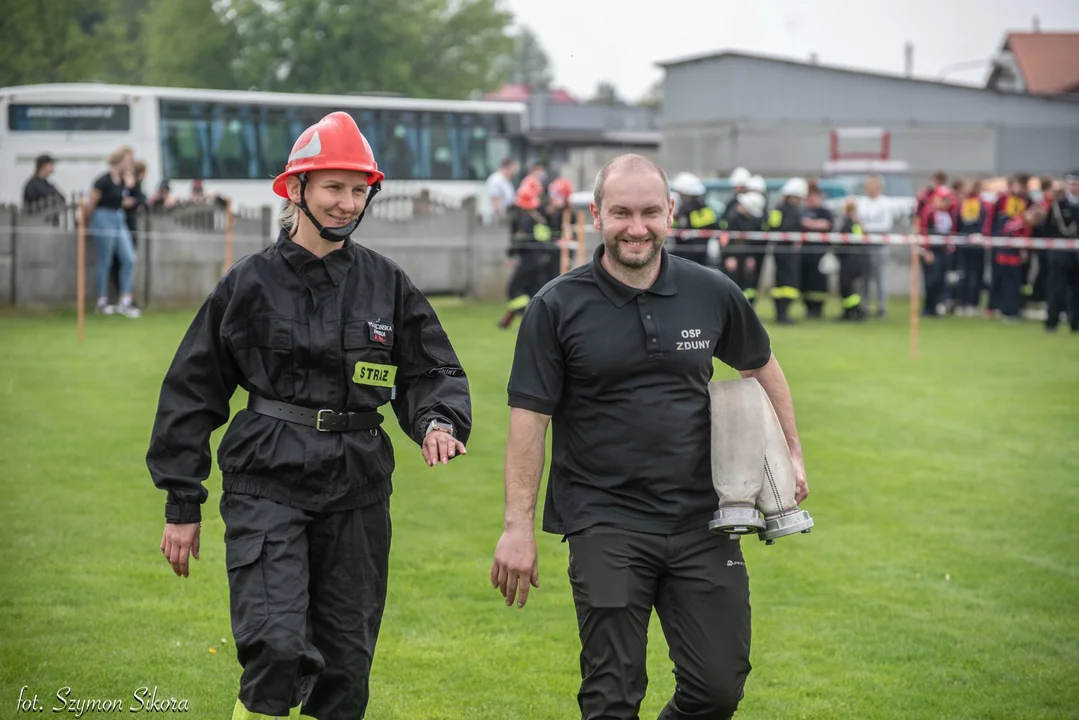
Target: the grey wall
pixel 780 149
pixel 732 87
pixel 774 118
pixel 181 253
pixel 547 115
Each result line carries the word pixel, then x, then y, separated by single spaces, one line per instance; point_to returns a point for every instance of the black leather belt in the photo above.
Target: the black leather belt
pixel 321 420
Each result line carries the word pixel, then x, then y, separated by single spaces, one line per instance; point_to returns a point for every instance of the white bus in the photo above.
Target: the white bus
pixel 237 141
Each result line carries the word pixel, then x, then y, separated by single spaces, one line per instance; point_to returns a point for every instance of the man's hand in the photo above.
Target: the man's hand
pixel 516 565
pixel 440 446
pixel 801 487
pixel 731 264
pixel 177 542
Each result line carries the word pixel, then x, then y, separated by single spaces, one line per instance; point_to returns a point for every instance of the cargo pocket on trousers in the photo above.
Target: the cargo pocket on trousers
pixel 248 601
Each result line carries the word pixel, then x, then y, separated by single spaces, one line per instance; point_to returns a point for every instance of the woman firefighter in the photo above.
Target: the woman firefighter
pixel 320 332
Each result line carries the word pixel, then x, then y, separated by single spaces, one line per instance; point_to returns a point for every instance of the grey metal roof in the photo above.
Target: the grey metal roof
pixel 719 55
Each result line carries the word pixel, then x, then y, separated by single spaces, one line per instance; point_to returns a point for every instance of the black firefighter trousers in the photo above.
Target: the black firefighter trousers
pixel 307 591
pixel 698 583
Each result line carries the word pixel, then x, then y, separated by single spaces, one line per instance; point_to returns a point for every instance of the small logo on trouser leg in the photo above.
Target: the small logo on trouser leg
pixel 732 563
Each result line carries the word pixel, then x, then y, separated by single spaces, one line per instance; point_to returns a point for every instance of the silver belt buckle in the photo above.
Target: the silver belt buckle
pixel 318 420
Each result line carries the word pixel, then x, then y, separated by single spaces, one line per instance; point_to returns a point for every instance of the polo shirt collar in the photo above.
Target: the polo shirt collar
pixel 619 293
pixel 337 263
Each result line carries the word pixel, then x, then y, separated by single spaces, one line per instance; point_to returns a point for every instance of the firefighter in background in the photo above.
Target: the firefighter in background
pixel 749 253
pixel 1035 290
pixel 738 262
pixel 692 214
pixel 937 219
pixel 1007 280
pixel 536 177
pixel 1063 222
pixel 814 283
pixel 787 217
pixel 926 199
pixel 531 250
pixel 739 180
pixel 853 264
pixel 558 194
pixel 971 213
pixel 757 249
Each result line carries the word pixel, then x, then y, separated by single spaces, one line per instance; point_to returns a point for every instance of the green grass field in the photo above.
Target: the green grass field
pixel 941 580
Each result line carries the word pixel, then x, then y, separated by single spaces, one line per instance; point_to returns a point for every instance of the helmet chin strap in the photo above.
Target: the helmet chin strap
pixel 335 234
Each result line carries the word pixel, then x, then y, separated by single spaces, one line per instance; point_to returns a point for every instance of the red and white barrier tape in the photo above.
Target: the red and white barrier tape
pixel 883 239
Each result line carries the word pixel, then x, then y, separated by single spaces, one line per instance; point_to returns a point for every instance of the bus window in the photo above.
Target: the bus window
pixel 233 146
pixel 185 139
pixel 401 145
pixel 277 132
pixel 489 146
pixel 367 121
pixel 442 160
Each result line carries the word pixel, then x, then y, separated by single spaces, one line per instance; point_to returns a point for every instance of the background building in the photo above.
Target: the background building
pixel 576 139
pixel 774 116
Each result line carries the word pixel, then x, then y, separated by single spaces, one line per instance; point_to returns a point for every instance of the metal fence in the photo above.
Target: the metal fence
pixel 183 251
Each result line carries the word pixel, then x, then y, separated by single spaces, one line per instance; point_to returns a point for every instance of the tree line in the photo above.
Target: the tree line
pixel 426 48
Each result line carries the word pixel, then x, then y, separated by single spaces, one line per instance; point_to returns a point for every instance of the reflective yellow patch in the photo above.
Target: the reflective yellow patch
pixel 541 233
pixel 775 218
pixel 374 374
pixel 1014 206
pixel 970 210
pixel 702 218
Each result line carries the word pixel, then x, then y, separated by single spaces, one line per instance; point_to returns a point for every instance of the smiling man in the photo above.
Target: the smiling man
pixel 618 353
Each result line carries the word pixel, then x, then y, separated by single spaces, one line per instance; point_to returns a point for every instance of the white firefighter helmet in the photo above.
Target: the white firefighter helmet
pixel 753 202
pixel 757 184
pixel 739 177
pixel 795 187
pixel 828 264
pixel 687 184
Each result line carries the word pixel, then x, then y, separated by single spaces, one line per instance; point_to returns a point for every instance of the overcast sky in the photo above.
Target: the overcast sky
pixel 593 40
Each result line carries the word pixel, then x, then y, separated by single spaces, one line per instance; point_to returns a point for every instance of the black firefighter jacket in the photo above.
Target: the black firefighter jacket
pixel 346 332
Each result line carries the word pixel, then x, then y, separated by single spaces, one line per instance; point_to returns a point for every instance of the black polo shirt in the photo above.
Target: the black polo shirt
pixel 624 373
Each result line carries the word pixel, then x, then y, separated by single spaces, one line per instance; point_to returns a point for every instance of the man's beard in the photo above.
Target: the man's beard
pixel 613 247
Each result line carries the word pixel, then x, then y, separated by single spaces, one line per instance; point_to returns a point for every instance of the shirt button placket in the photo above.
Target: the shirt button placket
pixel 651 332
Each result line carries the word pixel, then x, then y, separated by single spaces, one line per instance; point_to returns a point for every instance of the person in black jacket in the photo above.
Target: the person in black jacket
pixel 787 217
pixel 38 188
pixel 693 214
pixel 320 332
pixel 1062 221
pixel 854 263
pixel 531 252
pixel 742 262
pixel 814 284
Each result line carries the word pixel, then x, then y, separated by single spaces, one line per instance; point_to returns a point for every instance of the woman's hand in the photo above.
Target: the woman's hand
pixel 179 541
pixel 440 446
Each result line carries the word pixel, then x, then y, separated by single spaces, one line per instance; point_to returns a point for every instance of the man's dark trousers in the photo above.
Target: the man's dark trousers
pixel 698 584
